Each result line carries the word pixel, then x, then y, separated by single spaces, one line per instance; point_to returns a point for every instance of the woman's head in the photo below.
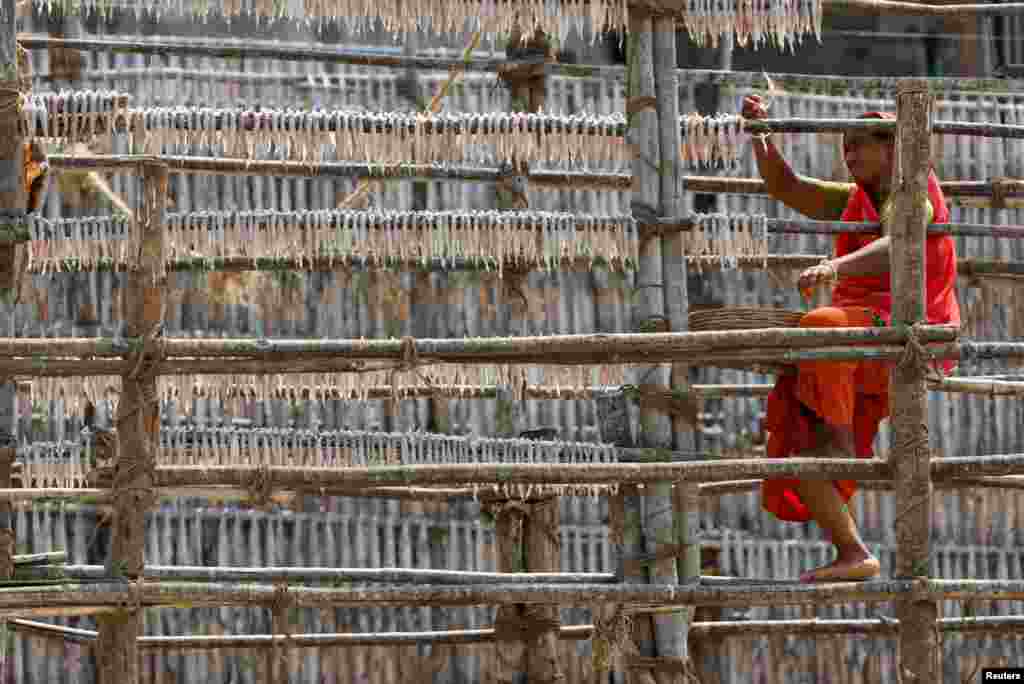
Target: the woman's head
pixel 869 155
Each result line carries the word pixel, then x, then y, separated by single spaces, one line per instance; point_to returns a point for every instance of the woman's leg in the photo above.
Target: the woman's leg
pixel 829 389
pixel 854 560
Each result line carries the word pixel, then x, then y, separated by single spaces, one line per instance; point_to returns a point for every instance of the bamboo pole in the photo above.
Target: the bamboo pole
pixel 71 598
pixel 543 180
pixel 919 649
pixel 665 514
pixel 964 189
pixel 546 180
pixel 1002 625
pixel 598 348
pixel 138 423
pixel 769 360
pixel 237 48
pixel 310 574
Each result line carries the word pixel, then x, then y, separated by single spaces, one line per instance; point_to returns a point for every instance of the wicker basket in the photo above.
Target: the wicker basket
pixel 743 318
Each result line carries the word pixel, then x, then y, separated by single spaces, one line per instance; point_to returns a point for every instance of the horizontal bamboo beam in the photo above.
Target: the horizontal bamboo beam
pixel 15 602
pixel 537 179
pixel 985 386
pixel 807 226
pixel 45 558
pixel 806 83
pixel 1012 188
pixel 917 9
pixel 957 467
pixel 232 48
pixel 528 473
pixel 803 125
pixel 1015 482
pixel 985 268
pixel 54 632
pixel 550 180
pixel 553 349
pixel 635 472
pixel 312 575
pixel 19 494
pixel 1003 625
pixel 708 630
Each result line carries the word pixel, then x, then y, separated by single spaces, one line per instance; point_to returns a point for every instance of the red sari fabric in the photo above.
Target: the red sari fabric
pixel 851 394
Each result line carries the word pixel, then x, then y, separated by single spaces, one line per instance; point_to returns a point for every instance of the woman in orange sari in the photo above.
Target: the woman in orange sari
pixel 829 408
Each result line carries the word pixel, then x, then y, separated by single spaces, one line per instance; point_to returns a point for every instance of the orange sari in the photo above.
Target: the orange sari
pixel 851 394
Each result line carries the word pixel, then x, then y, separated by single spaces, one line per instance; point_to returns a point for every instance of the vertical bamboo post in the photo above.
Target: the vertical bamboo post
pixel 14 81
pixel 138 425
pixel 651 108
pixel 919 643
pixel 543 548
pixel 508 538
pixel 674 275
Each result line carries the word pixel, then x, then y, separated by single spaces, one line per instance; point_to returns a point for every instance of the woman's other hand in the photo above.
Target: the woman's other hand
pixel 754 108
pixel 825 272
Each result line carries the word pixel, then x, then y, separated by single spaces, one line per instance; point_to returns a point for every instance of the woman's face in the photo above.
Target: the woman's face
pixel 868 157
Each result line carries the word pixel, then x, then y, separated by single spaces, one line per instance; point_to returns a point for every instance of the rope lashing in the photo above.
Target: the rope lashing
pixel 612 640
pixel 260 486
pixel 134 470
pixel 528 625
pixel 409 363
pixel 916 355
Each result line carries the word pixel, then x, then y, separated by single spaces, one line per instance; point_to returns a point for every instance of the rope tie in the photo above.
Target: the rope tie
pixel 134 470
pixel 281 605
pixel 1000 186
pixel 530 624
pixel 612 639
pixel 409 362
pixel 260 486
pixel 916 355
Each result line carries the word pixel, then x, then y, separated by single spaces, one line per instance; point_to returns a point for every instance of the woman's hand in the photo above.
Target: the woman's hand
pixel 754 108
pixel 825 272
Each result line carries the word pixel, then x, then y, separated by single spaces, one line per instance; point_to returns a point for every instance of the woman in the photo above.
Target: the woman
pixel 829 408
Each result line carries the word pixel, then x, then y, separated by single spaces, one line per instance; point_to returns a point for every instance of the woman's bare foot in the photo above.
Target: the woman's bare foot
pixel 850 566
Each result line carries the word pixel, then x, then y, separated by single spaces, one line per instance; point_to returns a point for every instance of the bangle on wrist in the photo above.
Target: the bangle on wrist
pixel 827 263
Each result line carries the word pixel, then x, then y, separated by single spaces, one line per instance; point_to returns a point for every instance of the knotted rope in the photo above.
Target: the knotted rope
pixel 612 640
pixel 916 355
pixel 281 606
pixel 529 625
pixel 260 487
pixel 409 362
pixel 134 469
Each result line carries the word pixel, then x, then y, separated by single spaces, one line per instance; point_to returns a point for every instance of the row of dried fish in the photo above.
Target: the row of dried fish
pixel 343 448
pixel 553 17
pixel 782 23
pixel 724 238
pixel 238 393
